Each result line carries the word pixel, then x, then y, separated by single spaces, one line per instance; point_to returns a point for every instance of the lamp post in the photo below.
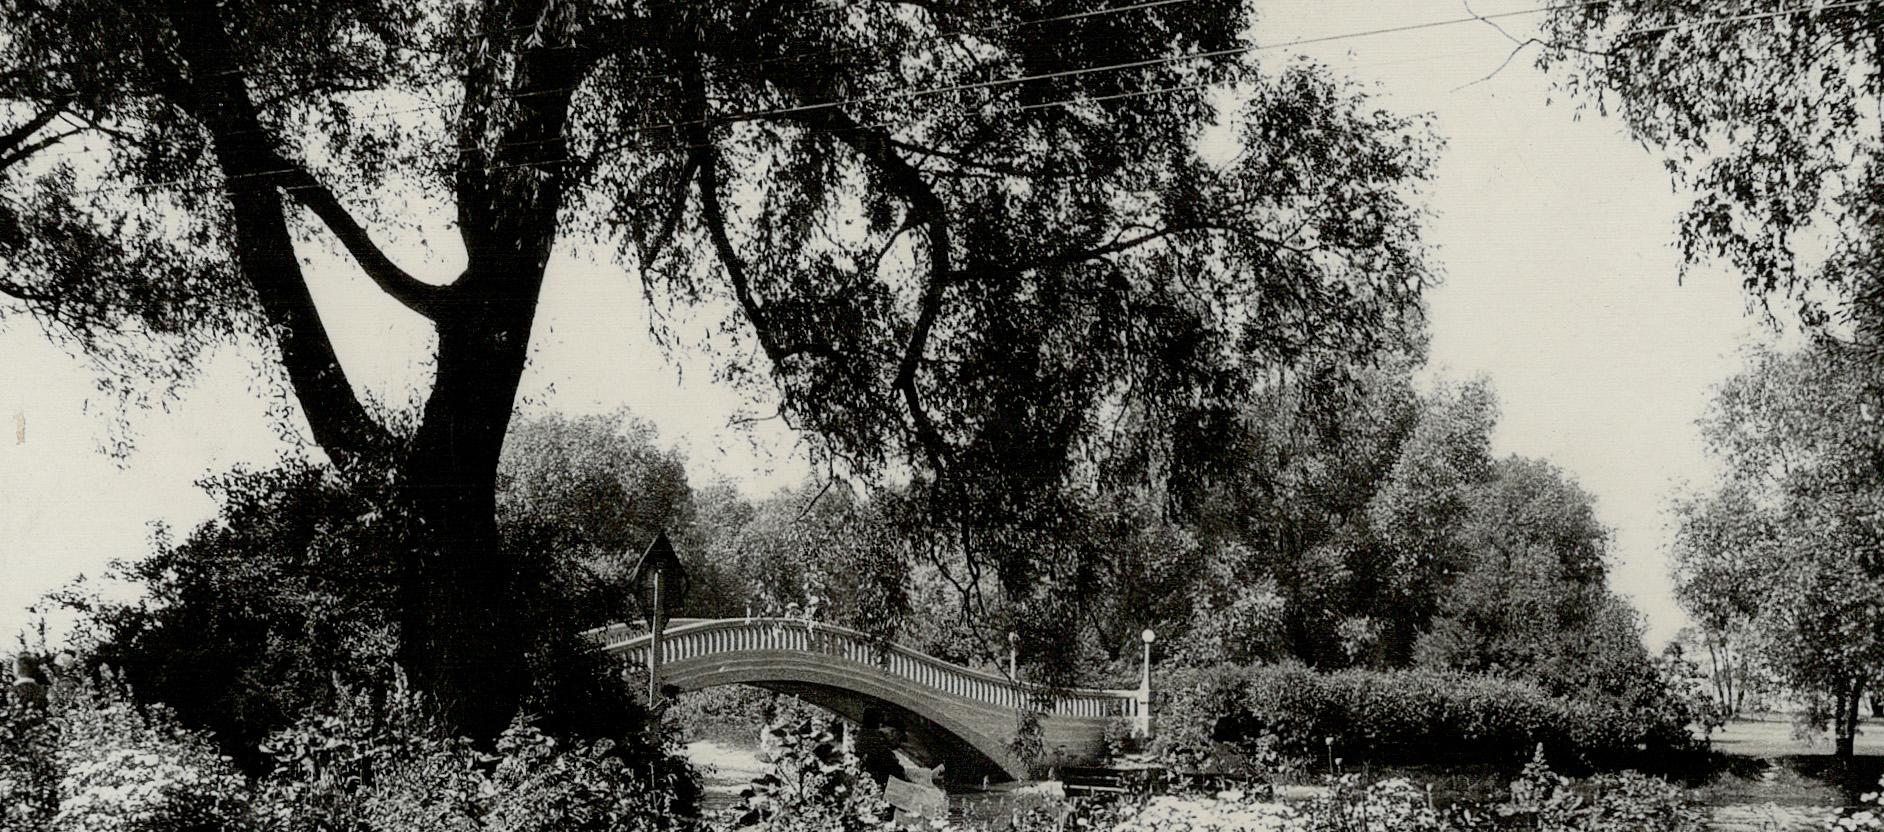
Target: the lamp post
pixel 1144 685
pixel 1013 655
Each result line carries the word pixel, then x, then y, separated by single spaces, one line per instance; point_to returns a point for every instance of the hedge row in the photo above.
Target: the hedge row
pixel 1404 716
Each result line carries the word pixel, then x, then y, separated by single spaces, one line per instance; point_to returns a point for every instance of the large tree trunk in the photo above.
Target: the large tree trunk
pixel 1845 720
pixel 464 639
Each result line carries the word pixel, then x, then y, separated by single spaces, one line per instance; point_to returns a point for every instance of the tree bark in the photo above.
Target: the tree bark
pixel 1845 721
pixel 264 247
pixel 462 638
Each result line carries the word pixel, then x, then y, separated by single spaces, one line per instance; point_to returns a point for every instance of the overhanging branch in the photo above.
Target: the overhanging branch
pixel 714 214
pixel 421 297
pixel 264 248
pixel 15 146
pixel 926 208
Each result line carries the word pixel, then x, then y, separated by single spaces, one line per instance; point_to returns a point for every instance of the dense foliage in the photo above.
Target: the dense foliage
pixel 1365 526
pixel 1761 111
pixel 287 598
pixel 950 240
pixel 1779 558
pixel 390 766
pixel 1374 527
pixel 87 758
pixel 258 615
pixel 342 749
pixel 1521 601
pixel 1407 715
pixel 816 782
pixel 92 760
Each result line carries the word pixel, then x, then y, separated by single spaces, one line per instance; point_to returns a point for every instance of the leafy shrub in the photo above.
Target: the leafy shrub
pixel 1622 802
pixel 145 789
pixel 1389 804
pixel 389 767
pixel 251 618
pixel 539 785
pixel 88 760
pixel 815 784
pixel 288 598
pixel 1030 739
pixel 1408 715
pixel 29 768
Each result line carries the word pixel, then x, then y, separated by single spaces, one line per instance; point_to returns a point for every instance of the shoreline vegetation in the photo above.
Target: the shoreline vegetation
pixel 78 746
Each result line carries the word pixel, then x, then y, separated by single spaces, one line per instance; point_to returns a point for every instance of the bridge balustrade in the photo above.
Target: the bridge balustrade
pixel 686 639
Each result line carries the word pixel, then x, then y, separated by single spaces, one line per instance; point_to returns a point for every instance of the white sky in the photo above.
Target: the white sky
pixel 1555 236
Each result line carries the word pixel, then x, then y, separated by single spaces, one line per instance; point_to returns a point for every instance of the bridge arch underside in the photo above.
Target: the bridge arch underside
pixel 971 738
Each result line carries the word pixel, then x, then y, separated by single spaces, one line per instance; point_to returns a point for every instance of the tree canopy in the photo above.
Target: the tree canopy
pixel 961 240
pixel 1782 554
pixel 1768 114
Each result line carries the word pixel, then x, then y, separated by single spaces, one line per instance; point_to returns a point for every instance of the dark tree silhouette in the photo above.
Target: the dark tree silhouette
pixel 935 267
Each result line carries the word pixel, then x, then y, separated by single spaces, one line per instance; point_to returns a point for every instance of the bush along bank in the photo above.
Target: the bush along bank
pixel 87 759
pixel 1407 716
pixel 817 787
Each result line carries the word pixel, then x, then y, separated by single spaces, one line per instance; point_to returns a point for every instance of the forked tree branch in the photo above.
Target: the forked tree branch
pixel 424 298
pixel 16 144
pixel 264 247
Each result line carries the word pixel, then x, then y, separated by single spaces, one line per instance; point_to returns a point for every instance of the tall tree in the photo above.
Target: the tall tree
pixel 1723 551
pixel 1420 511
pixel 1798 438
pixel 1531 597
pixel 947 238
pixel 1284 511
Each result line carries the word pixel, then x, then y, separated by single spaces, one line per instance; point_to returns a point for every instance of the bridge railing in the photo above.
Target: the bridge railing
pixel 687 639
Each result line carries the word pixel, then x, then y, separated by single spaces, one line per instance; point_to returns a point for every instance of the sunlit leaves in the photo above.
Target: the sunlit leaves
pixel 1772 120
pixel 1784 547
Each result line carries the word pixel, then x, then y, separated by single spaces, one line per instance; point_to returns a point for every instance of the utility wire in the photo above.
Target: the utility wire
pixel 1147 63
pixel 828 54
pixel 1476 18
pixel 906 95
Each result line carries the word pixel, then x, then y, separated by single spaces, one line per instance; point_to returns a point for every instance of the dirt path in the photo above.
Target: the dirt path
pixel 1769 818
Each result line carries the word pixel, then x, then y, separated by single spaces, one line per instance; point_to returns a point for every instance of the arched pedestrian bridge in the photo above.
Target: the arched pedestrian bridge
pixel 965 718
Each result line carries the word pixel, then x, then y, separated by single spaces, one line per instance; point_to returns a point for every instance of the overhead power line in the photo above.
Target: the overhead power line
pixel 925 92
pixel 826 53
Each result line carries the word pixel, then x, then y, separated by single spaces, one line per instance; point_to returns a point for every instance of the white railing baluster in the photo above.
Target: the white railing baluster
pixel 696 639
